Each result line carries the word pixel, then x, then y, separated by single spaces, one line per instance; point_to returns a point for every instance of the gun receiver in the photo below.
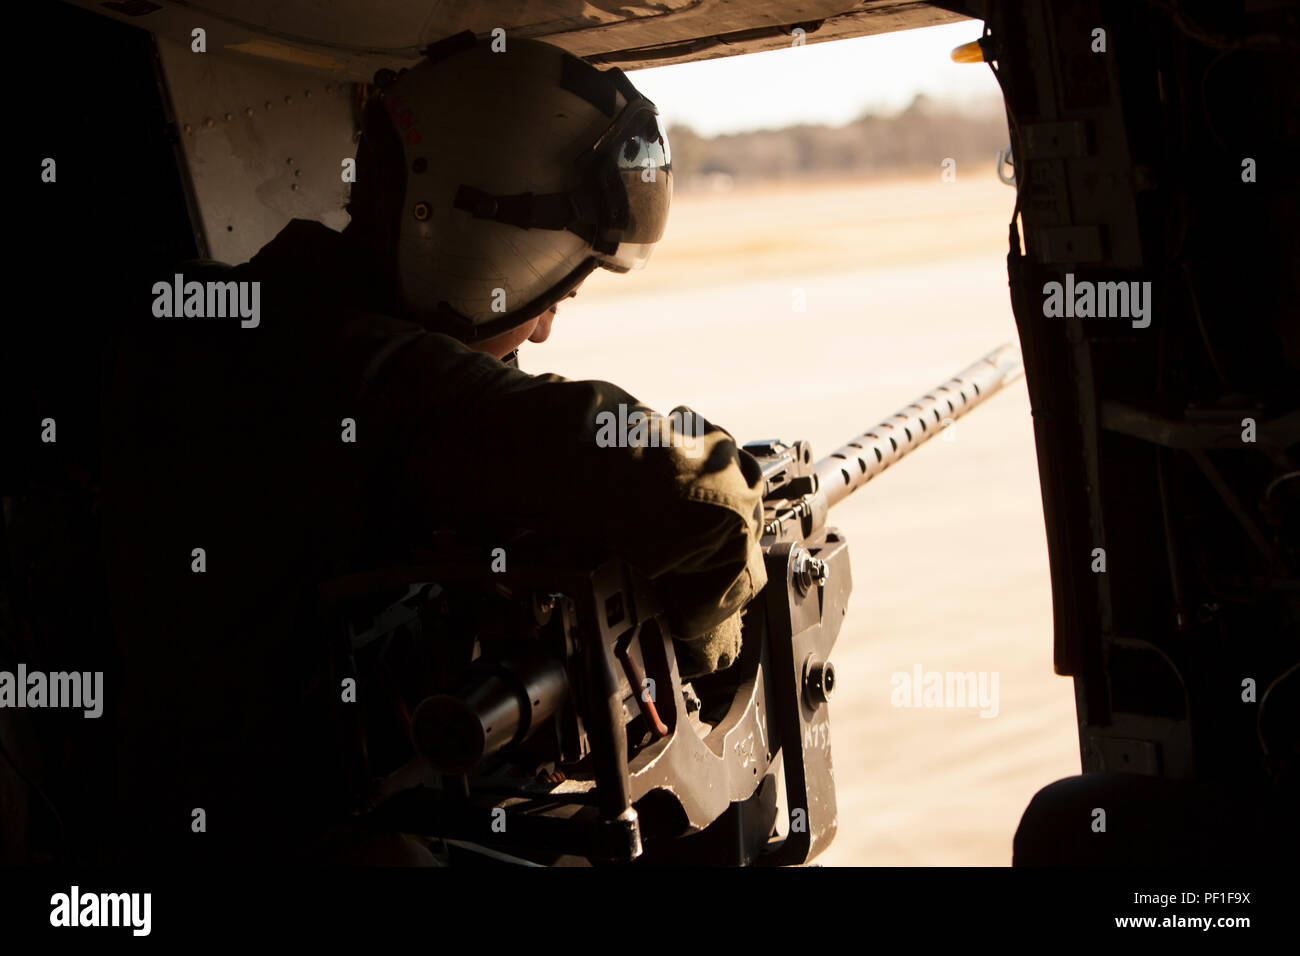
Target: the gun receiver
pixel 576 677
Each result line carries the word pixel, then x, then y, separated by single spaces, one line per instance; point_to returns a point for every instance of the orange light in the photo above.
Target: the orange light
pixel 968 53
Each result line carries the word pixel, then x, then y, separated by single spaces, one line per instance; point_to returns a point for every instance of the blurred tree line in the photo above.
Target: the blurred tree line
pixel 918 138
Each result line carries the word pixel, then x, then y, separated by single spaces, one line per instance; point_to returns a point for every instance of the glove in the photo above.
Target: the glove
pixel 715 650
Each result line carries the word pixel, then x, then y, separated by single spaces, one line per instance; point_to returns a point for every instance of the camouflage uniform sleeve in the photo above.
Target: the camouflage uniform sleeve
pixel 523 449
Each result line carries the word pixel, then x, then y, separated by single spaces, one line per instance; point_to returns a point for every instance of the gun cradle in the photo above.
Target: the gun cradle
pixel 580 674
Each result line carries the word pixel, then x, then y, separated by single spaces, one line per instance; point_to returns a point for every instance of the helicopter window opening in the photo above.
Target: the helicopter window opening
pixel 868 286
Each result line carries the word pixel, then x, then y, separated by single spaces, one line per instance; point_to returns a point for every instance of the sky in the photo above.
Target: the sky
pixel 832 82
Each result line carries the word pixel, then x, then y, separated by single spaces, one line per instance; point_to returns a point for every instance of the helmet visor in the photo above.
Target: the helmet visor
pixel 634 167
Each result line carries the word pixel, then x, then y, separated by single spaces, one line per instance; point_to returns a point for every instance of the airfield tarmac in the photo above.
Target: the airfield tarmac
pixel 902 283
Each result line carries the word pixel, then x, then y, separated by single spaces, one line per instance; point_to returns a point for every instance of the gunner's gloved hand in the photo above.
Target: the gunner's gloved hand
pixel 713 651
pixel 704 601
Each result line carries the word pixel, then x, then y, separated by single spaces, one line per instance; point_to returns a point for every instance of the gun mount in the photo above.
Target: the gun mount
pixel 559 724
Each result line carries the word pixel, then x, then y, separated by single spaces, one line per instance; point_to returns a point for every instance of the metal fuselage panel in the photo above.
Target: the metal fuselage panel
pixel 353 39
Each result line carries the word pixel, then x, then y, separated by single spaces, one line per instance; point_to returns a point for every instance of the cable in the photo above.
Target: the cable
pixel 1221 41
pixel 1263 700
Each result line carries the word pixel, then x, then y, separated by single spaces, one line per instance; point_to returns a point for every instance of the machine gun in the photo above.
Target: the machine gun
pixel 562 727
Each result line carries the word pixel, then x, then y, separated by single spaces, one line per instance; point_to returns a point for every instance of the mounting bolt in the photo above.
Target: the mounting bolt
pixel 818 680
pixel 808 571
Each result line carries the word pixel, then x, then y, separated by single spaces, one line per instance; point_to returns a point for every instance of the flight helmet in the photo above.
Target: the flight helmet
pixel 523 169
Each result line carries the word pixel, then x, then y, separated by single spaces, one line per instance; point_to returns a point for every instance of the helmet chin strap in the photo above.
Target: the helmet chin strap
pixel 511 359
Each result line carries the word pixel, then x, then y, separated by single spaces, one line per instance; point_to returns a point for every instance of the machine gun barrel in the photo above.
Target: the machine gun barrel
pixel 852 465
